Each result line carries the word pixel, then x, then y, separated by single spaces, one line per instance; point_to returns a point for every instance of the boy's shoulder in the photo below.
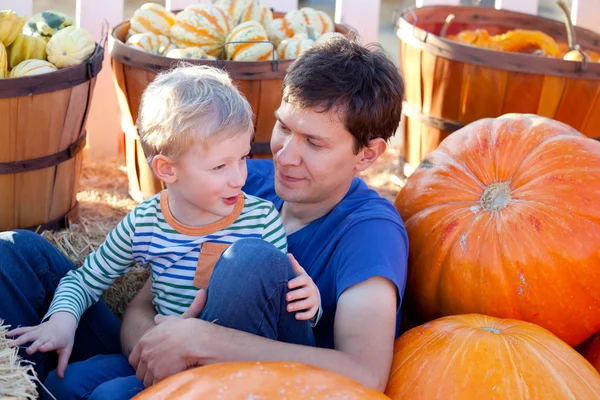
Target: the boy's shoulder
pixel 255 203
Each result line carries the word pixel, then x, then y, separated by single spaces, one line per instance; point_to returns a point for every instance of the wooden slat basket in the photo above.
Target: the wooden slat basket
pixel 42 132
pixel 449 84
pixel 260 81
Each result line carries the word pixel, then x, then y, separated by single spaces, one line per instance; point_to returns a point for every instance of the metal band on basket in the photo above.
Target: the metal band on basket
pixel 51 160
pixel 435 122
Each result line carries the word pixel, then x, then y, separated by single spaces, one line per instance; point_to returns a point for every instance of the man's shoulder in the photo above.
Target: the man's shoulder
pixel 260 181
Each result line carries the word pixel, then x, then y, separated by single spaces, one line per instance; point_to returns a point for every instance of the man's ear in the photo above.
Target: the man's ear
pixel 164 169
pixel 369 154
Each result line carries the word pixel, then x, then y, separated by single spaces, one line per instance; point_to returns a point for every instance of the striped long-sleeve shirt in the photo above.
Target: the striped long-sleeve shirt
pixel 150 236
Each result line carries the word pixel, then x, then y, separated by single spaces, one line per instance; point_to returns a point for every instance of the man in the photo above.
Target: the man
pixel 341 102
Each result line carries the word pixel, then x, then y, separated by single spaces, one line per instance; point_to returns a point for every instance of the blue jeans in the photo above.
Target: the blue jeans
pixel 246 292
pixel 30 269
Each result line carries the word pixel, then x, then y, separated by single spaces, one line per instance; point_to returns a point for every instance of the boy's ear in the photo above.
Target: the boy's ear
pixel 164 169
pixel 369 154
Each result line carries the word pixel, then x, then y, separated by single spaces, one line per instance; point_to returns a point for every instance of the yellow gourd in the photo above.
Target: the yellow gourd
pixel 3 61
pixel 32 67
pixel 26 47
pixel 70 46
pixel 10 26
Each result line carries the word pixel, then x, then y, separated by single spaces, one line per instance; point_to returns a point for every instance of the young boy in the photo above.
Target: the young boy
pixel 196 130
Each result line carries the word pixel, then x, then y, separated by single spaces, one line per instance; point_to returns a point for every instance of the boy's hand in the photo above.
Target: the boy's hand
pixel 58 333
pixel 304 294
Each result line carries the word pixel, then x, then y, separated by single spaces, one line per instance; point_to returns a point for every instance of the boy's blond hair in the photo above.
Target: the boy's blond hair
pixel 190 103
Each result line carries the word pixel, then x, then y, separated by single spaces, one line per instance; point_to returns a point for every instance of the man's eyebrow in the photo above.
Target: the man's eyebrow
pixel 308 135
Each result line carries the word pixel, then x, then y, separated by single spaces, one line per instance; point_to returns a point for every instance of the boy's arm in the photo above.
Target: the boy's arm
pixel 364 328
pixel 82 287
pixel 138 318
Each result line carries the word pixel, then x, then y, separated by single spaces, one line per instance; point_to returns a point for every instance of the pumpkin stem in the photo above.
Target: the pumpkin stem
pixel 496 196
pixel 493 330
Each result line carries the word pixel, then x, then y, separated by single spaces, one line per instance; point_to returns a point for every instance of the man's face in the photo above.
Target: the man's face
pixel 313 155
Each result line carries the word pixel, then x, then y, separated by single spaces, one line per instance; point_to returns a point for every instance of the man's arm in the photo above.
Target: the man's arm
pixel 364 338
pixel 138 318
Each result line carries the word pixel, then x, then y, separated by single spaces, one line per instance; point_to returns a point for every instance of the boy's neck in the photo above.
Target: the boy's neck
pixel 188 214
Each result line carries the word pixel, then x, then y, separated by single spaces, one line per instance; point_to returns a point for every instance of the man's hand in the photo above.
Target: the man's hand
pixel 58 333
pixel 162 351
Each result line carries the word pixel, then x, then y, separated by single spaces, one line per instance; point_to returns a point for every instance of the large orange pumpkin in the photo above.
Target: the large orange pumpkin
pixel 477 357
pixel 258 380
pixel 503 219
pixel 590 349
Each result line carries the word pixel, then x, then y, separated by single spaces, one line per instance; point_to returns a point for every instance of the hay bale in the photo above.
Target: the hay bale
pixel 17 377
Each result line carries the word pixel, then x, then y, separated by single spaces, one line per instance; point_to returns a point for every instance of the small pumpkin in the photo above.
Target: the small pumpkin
pixel 151 17
pixel 204 26
pixel 70 46
pixel 487 214
pixel 248 32
pixel 292 24
pixel 320 21
pixel 26 47
pixel 259 13
pixel 472 356
pixel 519 40
pixel 192 53
pixel 290 49
pixel 151 43
pixel 235 8
pixel 258 380
pixel 10 26
pixel 32 67
pixel 46 23
pixel 3 62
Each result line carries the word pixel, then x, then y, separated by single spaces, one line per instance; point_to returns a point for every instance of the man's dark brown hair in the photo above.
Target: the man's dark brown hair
pixel 360 82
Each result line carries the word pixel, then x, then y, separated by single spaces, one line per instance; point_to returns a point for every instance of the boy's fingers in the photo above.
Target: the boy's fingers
pixel 295 265
pixel 63 360
pixel 298 281
pixel 36 345
pixel 24 338
pixel 307 314
pixel 20 331
pixel 299 305
pixel 301 293
pixel 195 309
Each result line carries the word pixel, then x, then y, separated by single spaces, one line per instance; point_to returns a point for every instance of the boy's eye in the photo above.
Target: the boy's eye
pixel 219 167
pixel 244 157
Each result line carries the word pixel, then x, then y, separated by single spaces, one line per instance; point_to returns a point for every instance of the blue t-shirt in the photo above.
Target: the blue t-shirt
pixel 362 237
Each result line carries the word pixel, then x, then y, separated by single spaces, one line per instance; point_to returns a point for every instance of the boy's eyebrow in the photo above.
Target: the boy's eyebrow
pixel 308 135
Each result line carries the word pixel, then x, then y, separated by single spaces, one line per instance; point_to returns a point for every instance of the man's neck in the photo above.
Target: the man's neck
pixel 296 216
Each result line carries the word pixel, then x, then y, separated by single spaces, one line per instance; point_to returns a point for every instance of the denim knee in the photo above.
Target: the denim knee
pixel 257 257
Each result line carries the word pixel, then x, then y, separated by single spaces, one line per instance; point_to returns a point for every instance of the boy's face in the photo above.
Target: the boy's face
pixel 210 175
pixel 313 154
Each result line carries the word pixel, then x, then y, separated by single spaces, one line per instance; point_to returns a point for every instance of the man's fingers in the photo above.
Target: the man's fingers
pixel 63 360
pixel 148 378
pixel 134 358
pixel 197 305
